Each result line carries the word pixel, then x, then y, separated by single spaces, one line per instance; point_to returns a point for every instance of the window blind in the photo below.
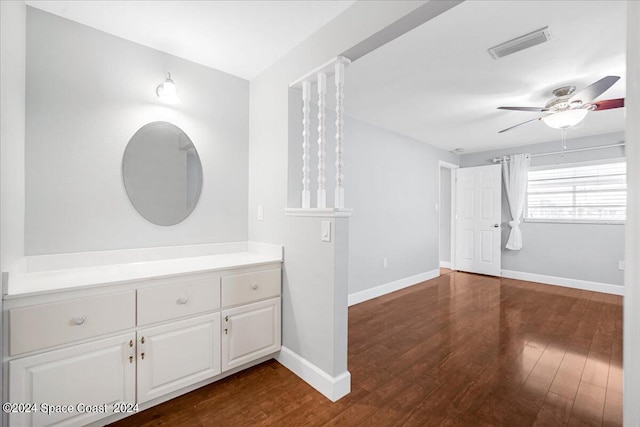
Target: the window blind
pixel 578 193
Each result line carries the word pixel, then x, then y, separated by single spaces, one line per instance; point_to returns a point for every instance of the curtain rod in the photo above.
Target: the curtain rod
pixel 575 150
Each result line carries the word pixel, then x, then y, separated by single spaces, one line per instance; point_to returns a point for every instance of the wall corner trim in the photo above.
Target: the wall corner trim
pixel 564 281
pixel 333 388
pixel 387 288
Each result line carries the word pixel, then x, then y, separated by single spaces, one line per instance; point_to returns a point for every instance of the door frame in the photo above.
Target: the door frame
pixel 452 233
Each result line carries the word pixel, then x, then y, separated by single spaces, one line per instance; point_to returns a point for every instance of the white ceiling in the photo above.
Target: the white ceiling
pixel 238 37
pixel 438 83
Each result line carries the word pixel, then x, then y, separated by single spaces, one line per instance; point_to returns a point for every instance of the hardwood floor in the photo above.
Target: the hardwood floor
pixel 460 349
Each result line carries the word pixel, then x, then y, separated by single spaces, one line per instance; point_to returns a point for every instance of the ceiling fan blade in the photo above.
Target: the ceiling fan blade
pixel 520 124
pixel 589 93
pixel 606 104
pixel 536 109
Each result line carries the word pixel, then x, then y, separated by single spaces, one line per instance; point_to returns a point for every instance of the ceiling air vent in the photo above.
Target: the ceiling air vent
pixel 520 43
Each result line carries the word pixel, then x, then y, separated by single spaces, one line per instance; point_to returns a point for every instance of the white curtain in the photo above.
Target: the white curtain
pixel 514 172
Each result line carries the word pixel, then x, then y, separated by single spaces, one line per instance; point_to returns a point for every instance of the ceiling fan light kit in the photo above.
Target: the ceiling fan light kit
pixel 565 119
pixel 567 109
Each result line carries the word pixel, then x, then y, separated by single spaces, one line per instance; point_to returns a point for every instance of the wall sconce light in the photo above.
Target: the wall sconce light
pixel 167 91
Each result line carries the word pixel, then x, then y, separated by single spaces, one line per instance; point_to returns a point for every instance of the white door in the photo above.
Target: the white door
pixel 97 373
pixel 250 332
pixel 177 355
pixel 478 218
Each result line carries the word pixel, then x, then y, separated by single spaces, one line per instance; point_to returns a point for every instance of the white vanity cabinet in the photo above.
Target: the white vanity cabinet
pixel 140 342
pixel 176 355
pixel 96 373
pixel 250 329
pixel 249 332
pixel 180 353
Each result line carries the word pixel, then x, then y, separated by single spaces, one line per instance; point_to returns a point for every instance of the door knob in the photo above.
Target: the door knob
pixel 496 225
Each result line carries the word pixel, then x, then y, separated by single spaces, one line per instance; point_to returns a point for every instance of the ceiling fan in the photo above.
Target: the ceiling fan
pixel 567 109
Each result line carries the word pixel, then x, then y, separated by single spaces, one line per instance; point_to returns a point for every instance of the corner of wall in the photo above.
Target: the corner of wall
pixel 333 388
pixel 12 136
pixel 631 319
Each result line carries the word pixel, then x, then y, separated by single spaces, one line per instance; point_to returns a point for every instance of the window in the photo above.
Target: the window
pixel 578 193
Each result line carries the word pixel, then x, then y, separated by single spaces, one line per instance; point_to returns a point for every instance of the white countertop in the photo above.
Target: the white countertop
pixel 22 283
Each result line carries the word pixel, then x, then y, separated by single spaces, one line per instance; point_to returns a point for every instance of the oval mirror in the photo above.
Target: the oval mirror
pixel 162 173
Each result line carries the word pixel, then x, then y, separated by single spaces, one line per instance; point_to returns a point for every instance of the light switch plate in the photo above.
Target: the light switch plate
pixel 325 231
pixel 260 213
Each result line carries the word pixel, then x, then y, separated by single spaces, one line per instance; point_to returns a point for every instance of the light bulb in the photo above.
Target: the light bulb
pixel 167 92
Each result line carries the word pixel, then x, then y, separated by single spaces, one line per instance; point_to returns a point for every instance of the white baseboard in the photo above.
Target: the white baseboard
pixel 445 264
pixel 333 388
pixel 564 281
pixel 367 294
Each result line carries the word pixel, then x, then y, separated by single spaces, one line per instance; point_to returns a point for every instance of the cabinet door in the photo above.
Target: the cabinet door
pixel 177 355
pixel 250 332
pixel 97 373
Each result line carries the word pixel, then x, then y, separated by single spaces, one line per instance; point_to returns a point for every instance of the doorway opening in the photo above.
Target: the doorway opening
pixel 446 212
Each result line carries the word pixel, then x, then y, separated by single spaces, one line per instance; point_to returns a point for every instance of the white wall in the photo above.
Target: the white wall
pixel 631 338
pixel 12 131
pixel 588 252
pixel 393 188
pixel 87 93
pixel 307 302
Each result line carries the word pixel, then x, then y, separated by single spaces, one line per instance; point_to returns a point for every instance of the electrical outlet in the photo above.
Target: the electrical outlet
pixel 620 265
pixel 385 264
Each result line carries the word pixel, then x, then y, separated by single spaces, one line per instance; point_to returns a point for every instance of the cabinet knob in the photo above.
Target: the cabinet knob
pixel 255 286
pixel 183 300
pixel 79 320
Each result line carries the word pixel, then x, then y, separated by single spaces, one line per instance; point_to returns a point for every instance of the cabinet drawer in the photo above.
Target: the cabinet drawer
pixel 41 326
pixel 174 301
pixel 249 287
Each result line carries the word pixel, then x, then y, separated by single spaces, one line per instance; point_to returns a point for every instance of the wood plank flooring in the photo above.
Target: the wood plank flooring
pixel 461 349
